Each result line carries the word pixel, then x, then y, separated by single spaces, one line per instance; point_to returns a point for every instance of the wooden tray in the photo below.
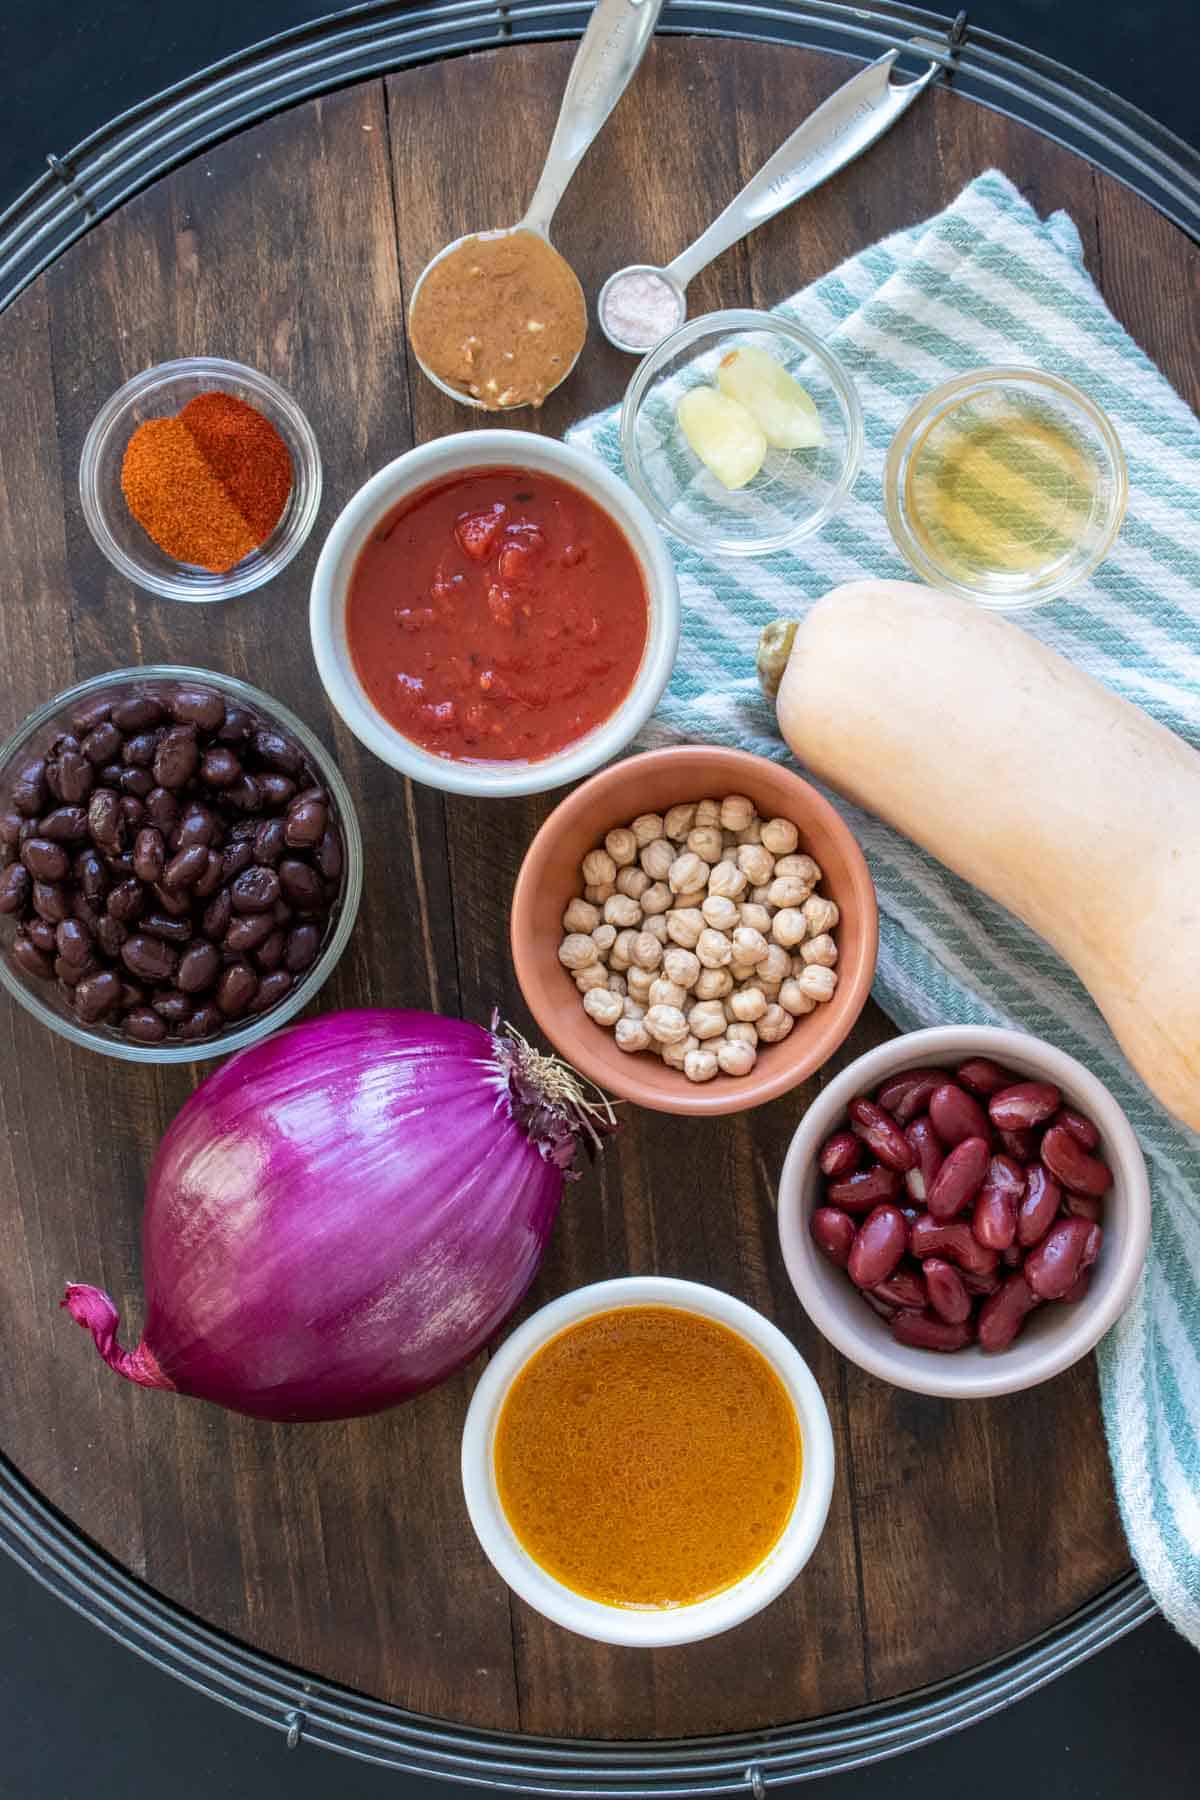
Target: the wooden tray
pixel 958 1533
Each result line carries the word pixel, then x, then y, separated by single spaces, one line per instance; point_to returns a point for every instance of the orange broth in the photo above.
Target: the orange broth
pixel 647 1457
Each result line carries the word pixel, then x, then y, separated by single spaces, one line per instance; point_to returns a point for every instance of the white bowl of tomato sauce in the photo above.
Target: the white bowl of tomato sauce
pixel 495 613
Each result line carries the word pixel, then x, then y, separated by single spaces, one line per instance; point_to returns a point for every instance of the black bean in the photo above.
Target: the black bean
pixel 306 822
pixel 126 901
pixel 104 819
pixel 65 825
pixel 45 860
pixel 88 912
pixel 186 867
pixel 71 974
pixel 110 775
pixel 301 884
pixel 238 726
pixel 29 787
pixel 41 932
pixel 177 757
pixel 89 714
pixel 212 877
pixel 203 1023
pixel 110 935
pixel 74 941
pixel 276 790
pixel 236 989
pixel 275 751
pixel 245 795
pixel 303 942
pixel 50 900
pixel 120 867
pixel 281 913
pixel 269 954
pixel 162 925
pixel 197 706
pixel 255 890
pixel 243 831
pixel 246 932
pixel 148 958
pixel 162 810
pixel 270 842
pixel 144 1025
pixel 197 826
pixel 71 776
pixel 329 856
pixel 10 828
pixel 271 990
pixel 137 782
pixel 131 995
pixel 217 915
pixel 133 815
pixel 174 1007
pixel 149 854
pixel 220 768
pixel 199 967
pixel 30 959
pixel 16 888
pixel 97 995
pixel 236 857
pixel 103 745
pixel 136 713
pixel 175 902
pixel 139 751
pixel 64 743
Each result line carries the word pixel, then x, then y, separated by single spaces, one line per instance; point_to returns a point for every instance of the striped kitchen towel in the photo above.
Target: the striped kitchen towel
pixel 987 281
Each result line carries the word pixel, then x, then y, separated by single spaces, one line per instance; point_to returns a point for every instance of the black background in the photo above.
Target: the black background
pixel 81 1716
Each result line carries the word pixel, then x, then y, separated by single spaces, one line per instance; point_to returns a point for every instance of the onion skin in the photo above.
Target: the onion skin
pixel 337 1220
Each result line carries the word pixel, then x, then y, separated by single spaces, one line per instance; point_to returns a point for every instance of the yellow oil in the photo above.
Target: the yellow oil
pixel 1000 489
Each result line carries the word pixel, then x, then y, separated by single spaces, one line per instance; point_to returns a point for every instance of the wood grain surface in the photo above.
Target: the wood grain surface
pixel 957 1531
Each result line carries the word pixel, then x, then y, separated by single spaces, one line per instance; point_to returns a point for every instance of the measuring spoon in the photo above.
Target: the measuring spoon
pixel 841 129
pixel 606 61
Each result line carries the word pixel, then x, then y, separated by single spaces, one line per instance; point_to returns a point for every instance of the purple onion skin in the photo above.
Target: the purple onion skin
pixel 338 1219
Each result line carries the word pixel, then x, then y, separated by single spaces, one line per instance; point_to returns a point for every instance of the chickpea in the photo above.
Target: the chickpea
pixel 756 864
pixel 666 1023
pixel 780 836
pixel 726 881
pixel 597 893
pixel 821 949
pixel 647 951
pixel 687 873
pixel 719 912
pixel 656 859
pixel 621 954
pixel 707 1019
pixel 679 822
pixel 598 867
pixel 741 1032
pixel 579 916
pixel 639 982
pixel 657 898
pixel 713 984
pixel 761 896
pixel 603 1007
pixel 752 834
pixel 656 925
pixel 632 1009
pixel 646 827
pixel 668 993
pixel 692 898
pixel 749 945
pixel 622 846
pixel 787 927
pixel 822 915
pixel 747 1004
pixel 818 982
pixel 708 812
pixel 684 925
pixel 632 882
pixel 794 1000
pixel 756 917
pixel 735 1058
pixel 729 845
pixel 706 842
pixel 604 937
pixel 803 868
pixel 736 812
pixel 776 965
pixel 770 990
pixel 774 1025
pixel 617 984
pixel 621 911
pixel 744 974
pixel 674 1055
pixel 682 966
pixel 594 976
pixel 788 890
pixel 714 949
pixel 631 1035
pixel 577 950
pixel 700 1065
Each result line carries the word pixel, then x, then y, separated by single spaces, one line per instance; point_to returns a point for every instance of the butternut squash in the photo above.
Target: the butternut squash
pixel 1058 799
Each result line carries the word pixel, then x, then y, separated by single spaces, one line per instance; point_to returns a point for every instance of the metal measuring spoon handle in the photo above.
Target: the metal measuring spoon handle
pixel 841 129
pixel 607 58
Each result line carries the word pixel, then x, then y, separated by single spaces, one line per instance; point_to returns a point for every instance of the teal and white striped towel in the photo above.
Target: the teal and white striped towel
pixel 989 282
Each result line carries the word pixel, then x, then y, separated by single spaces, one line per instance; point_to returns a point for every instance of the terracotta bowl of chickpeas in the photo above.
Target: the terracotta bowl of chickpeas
pixel 695 929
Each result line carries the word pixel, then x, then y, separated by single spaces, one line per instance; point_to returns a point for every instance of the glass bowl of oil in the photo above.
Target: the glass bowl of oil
pixel 1007 486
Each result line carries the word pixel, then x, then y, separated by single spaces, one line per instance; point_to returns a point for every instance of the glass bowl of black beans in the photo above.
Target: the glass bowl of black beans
pixel 180 864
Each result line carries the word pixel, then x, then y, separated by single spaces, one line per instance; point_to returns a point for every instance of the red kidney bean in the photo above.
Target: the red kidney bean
pixel 859 1192
pixel 925 1331
pixel 926 1147
pixel 1081 1129
pixel 903 1288
pixel 1003 1314
pixel 1070 1163
pixel 137 713
pixel 1039 1209
pixel 840 1154
pixel 269 955
pixel 1091 1249
pixel 979 1284
pixel 879 1243
pixel 1078 1288
pixel 833 1232
pixel 904 1096
pixel 959 1179
pixel 1022 1146
pixel 957 1241
pixel 45 860
pixel 1023 1106
pixel 881 1134
pixel 983 1077
pixel 956 1115
pixel 1082 1206
pixel 1052 1265
pixel 97 995
pixel 876 1304
pixel 16 887
pixel 994 1220
pixel 945 1290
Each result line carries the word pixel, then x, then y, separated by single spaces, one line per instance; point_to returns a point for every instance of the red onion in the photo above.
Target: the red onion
pixel 346 1213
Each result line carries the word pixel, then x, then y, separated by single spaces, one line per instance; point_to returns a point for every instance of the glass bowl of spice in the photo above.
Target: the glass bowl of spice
pixel 200 479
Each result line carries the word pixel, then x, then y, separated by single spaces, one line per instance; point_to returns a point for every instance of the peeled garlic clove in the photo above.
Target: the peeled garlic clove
pixel 725 437
pixel 788 416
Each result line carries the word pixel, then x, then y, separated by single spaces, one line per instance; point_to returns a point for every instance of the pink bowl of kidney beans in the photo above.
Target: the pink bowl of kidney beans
pixel 964 1211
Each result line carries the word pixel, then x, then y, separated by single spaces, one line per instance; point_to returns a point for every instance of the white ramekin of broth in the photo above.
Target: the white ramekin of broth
pixel 647 1627
pixel 460 454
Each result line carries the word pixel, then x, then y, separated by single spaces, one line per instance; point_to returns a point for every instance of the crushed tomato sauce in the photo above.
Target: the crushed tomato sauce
pixel 497 616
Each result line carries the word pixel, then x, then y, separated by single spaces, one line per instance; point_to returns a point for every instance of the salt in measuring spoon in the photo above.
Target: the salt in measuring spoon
pixel 640 304
pixel 606 61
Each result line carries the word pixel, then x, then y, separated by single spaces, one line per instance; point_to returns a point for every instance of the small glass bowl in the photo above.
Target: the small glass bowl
pixel 1006 486
pixel 43 999
pixel 794 492
pixel 157 393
